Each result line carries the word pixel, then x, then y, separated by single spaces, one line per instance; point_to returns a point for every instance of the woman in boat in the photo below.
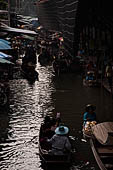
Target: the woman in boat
pixel 49 126
pixel 48 130
pixel 60 143
pixel 89 119
pixel 89 114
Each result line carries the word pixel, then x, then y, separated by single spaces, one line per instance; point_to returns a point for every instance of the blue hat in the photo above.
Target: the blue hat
pixel 61 130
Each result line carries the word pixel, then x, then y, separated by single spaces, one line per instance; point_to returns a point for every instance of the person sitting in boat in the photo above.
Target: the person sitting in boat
pixel 46 127
pixel 46 133
pixel 60 143
pixel 90 75
pixel 48 130
pixel 49 126
pixel 33 74
pixel 89 114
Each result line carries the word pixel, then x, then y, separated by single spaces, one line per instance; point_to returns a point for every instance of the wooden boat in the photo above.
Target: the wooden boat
pixel 31 76
pixel 3 99
pixel 29 72
pixel 3 95
pixel 102 145
pixel 53 160
pixel 90 79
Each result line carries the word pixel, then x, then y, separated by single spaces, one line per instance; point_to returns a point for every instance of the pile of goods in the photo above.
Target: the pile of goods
pixel 88 127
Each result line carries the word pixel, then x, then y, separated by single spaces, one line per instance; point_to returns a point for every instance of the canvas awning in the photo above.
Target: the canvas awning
pixel 3 55
pixel 23 21
pixel 4 46
pixel 5 41
pixel 17 30
pixel 3 34
pixel 3 11
pixel 4 61
pixel 42 1
pixel 104 132
pixel 28 37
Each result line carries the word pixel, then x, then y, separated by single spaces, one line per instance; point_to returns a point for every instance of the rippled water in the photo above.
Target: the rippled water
pixel 29 103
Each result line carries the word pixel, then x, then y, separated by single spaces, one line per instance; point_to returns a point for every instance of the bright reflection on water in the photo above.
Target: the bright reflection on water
pixel 29 103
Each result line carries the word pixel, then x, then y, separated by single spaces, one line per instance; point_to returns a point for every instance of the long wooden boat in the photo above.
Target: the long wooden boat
pixel 89 83
pixel 3 95
pixel 102 145
pixel 3 99
pixel 53 160
pixel 30 75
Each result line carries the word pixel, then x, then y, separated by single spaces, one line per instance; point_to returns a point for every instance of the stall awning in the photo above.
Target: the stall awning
pixel 28 37
pixel 4 46
pixel 3 55
pixel 4 61
pixel 17 30
pixel 5 41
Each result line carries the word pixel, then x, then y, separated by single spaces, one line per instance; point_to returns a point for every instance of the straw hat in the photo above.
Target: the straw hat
pixel 90 106
pixel 62 130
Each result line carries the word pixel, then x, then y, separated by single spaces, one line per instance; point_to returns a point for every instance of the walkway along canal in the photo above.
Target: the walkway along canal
pixel 19 128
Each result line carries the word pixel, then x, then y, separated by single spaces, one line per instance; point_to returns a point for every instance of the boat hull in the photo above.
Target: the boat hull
pixel 49 159
pixel 103 154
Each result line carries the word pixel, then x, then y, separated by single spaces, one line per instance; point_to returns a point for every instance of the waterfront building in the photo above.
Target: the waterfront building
pixel 85 24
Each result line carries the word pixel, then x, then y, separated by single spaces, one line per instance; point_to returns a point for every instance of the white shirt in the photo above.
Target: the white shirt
pixel 60 143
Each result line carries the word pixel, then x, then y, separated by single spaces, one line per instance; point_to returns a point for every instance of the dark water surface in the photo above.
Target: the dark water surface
pixel 29 103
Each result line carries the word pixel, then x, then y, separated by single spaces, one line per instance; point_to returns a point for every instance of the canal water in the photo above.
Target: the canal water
pixel 29 103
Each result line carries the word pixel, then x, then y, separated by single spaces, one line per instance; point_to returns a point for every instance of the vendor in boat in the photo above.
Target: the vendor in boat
pixel 89 114
pixel 48 130
pixel 90 75
pixel 49 126
pixel 60 143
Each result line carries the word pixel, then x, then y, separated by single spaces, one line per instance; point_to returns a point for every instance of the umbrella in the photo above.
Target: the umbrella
pixel 3 55
pixel 5 41
pixel 4 46
pixel 4 61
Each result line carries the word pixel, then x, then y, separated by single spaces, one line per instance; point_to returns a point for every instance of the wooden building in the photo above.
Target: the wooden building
pixel 85 24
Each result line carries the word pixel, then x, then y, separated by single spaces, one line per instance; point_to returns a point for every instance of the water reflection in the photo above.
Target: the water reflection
pixel 29 103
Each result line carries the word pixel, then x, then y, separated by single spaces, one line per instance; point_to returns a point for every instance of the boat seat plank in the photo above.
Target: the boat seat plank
pixel 109 166
pixel 107 160
pixel 105 150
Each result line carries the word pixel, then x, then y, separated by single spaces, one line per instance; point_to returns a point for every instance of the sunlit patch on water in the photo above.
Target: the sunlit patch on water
pixel 29 103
